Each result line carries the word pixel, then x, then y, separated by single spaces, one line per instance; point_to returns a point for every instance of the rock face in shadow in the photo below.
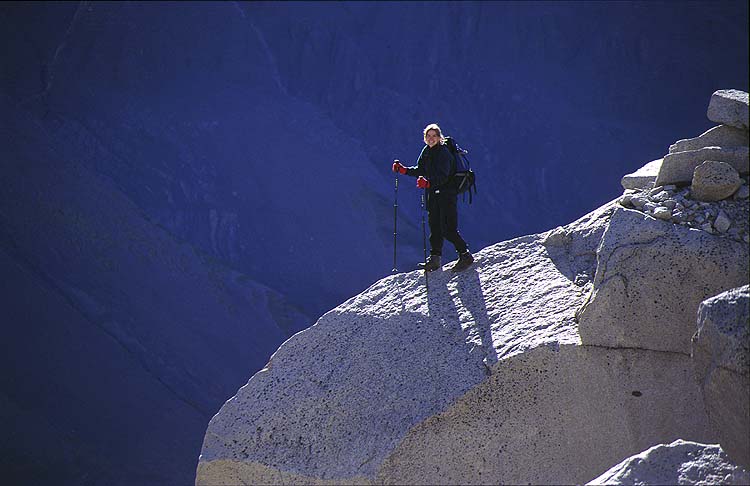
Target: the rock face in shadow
pixel 209 116
pixel 510 382
pixel 721 357
pixel 119 341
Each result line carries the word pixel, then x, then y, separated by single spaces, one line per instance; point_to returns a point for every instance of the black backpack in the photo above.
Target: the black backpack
pixel 463 177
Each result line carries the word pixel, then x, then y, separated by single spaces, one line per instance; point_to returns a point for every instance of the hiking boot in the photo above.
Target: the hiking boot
pixel 464 261
pixel 433 263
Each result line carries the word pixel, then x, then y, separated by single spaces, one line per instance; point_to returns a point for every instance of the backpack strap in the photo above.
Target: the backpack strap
pixel 451 144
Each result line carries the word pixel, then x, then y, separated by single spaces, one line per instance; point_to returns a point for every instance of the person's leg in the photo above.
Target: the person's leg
pixel 449 210
pixel 436 226
pixel 436 234
pixel 449 220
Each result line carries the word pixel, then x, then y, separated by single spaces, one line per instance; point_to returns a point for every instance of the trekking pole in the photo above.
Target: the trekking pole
pixel 424 245
pixel 395 222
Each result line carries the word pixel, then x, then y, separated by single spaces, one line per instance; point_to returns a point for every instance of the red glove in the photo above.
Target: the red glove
pixel 423 183
pixel 397 167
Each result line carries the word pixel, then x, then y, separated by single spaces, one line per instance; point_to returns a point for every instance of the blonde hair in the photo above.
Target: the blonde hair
pixel 433 126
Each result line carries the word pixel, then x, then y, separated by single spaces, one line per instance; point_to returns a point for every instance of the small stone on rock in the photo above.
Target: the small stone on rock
pixel 638 201
pixel 662 213
pixel 722 222
pixel 655 190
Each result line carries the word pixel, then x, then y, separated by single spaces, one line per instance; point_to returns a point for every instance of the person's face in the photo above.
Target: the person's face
pixel 431 138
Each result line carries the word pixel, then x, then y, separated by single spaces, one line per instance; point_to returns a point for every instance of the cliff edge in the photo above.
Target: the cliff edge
pixel 554 357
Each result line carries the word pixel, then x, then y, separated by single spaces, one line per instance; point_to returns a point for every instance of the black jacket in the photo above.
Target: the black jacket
pixel 435 164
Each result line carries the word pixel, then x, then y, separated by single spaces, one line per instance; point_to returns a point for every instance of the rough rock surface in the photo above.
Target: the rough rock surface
pixel 678 167
pixel 580 405
pixel 730 107
pixel 714 181
pixel 722 366
pixel 335 399
pixel 681 462
pixel 721 136
pixel 651 277
pixel 643 177
pixel 501 369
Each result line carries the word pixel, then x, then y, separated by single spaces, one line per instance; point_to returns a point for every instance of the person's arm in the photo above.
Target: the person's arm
pixel 418 170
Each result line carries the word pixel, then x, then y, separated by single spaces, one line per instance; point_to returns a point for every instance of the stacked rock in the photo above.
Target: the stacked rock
pixel 726 218
pixel 715 165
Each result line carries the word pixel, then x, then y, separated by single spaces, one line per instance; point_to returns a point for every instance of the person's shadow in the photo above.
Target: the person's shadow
pixel 460 299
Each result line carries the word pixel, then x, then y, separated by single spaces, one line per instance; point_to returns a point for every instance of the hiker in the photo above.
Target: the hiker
pixel 434 172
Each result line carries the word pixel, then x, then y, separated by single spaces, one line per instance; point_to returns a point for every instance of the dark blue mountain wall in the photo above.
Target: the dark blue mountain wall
pixel 119 342
pixel 179 179
pixel 196 127
pixel 557 100
pixel 235 125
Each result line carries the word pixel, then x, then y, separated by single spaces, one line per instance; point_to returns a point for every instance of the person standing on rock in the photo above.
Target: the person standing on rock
pixel 434 172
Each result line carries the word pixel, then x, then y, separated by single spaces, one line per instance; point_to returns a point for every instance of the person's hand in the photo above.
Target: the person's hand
pixel 397 167
pixel 423 183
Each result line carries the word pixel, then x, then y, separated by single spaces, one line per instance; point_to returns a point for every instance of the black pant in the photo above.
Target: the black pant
pixel 443 219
